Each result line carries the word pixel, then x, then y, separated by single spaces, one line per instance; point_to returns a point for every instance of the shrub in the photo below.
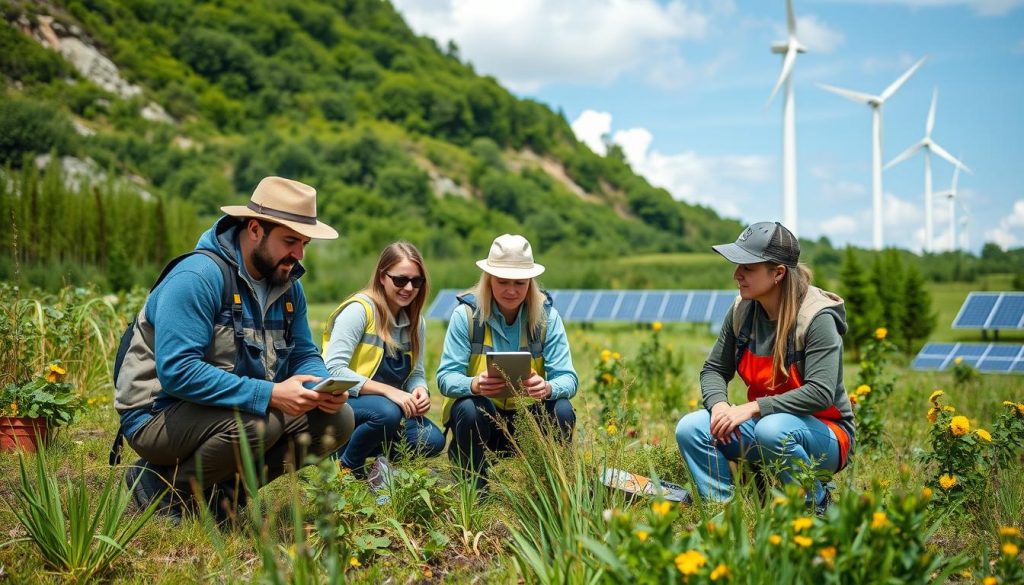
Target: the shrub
pixel 31 127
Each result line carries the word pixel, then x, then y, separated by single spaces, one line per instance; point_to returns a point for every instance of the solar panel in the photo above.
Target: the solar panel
pixel 563 299
pixel 697 311
pixel 989 358
pixel 583 305
pixel 675 306
pixel 629 304
pixel 991 310
pixel 443 305
pixel 650 310
pixel 720 306
pixel 604 308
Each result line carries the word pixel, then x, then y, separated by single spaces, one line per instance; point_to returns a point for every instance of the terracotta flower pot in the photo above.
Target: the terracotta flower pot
pixel 19 432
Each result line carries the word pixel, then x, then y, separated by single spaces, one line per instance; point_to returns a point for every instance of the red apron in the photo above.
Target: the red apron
pixel 756 372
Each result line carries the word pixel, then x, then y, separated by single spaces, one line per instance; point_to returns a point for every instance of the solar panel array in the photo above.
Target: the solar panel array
pixel 991 310
pixel 986 357
pixel 637 306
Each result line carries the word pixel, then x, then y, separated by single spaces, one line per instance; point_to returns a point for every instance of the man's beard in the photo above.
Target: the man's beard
pixel 266 266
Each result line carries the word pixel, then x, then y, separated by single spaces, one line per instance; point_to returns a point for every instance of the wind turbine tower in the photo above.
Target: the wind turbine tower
pixel 875 102
pixel 789 49
pixel 951 195
pixel 928 146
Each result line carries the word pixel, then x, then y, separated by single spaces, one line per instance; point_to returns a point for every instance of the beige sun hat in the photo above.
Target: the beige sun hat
pixel 510 257
pixel 287 202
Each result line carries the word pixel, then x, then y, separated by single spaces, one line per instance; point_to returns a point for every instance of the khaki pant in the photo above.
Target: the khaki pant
pixel 203 441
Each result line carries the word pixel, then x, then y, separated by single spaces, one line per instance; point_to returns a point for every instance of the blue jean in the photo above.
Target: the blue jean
pixel 475 429
pixel 378 429
pixel 777 437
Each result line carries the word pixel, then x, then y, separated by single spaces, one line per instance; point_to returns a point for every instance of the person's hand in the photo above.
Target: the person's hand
pixel 726 419
pixel 291 397
pixel 331 403
pixel 537 387
pixel 421 399
pixel 484 385
pixel 404 400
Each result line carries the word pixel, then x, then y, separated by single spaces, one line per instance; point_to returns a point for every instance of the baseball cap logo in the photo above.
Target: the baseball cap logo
pixel 746 234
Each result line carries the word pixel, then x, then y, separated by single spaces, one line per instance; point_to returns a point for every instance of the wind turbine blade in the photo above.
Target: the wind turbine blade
pixel 854 96
pixel 931 114
pixel 787 68
pixel 790 18
pixel 903 79
pixel 903 156
pixel 944 154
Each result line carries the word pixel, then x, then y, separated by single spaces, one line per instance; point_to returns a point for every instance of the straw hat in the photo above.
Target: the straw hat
pixel 289 203
pixel 511 257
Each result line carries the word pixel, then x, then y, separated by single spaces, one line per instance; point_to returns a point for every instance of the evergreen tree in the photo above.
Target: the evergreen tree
pixel 887 278
pixel 863 310
pixel 918 318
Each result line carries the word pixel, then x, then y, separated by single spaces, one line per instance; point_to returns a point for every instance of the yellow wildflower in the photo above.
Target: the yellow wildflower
pixel 959 360
pixel 801 523
pixel 56 373
pixel 656 326
pixel 967 573
pixel 990 580
pixel 947 481
pixel 881 333
pixel 616 355
pixel 933 414
pixel 661 508
pixel 642 535
pixel 607 378
pixel 803 541
pixel 1009 531
pixel 1010 549
pixel 960 426
pixel 692 403
pixel 690 562
pixel 612 429
pixel 780 500
pixel 863 389
pixel 1020 408
pixel 14 409
pixel 605 355
pixel 926 493
pixel 720 572
pixel 775 539
pixel 853 398
pixel 354 562
pixel 828 554
pixel 934 398
pixel 1010 404
pixel 948 409
pixel 984 434
pixel 879 520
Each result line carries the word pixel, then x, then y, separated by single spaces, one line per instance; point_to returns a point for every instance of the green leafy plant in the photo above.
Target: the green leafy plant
pixel 959 456
pixel 46 396
pixel 964 375
pixel 874 386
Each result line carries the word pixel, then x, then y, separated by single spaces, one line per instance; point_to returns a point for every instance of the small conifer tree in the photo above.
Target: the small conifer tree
pixel 863 310
pixel 918 318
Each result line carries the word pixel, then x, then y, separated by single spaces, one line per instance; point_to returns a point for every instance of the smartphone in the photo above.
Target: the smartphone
pixel 334 386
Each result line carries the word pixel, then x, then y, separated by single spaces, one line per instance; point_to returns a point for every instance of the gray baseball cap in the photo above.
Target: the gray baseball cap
pixel 766 241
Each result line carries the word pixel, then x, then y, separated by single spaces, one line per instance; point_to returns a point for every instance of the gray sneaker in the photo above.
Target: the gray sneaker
pixel 379 477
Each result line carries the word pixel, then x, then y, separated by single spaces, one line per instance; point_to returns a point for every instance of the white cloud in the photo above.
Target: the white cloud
pixel 901 63
pixel 817 36
pixel 1004 234
pixel 840 225
pixel 981 7
pixel 592 128
pixel 529 43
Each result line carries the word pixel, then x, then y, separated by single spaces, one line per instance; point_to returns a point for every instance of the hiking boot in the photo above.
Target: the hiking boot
pixel 379 476
pixel 149 484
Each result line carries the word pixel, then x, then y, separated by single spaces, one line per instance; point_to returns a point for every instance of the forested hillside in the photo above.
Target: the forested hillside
pixel 401 137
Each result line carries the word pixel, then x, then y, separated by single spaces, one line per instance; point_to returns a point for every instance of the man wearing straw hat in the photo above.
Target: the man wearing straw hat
pixel 223 338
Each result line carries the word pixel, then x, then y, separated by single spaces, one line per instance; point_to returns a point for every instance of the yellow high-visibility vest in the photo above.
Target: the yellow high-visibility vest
pixel 369 352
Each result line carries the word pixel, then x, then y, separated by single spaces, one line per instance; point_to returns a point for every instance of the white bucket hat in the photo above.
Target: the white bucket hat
pixel 287 202
pixel 510 257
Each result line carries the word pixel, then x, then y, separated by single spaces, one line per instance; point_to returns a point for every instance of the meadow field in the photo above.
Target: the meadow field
pixel 925 504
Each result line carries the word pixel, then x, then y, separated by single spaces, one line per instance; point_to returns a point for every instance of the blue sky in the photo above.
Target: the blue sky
pixel 682 85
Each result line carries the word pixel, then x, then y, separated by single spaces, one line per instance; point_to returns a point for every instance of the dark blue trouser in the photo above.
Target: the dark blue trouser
pixel 475 428
pixel 378 429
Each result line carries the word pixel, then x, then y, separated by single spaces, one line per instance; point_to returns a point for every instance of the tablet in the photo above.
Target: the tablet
pixel 334 386
pixel 514 366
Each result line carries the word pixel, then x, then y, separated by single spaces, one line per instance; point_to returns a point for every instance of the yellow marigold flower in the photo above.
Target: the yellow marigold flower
pixel 1009 531
pixel 933 414
pixel 605 355
pixel 775 539
pixel 934 398
pixel 612 429
pixel 947 481
pixel 926 493
pixel 853 398
pixel 656 326
pixel 607 378
pixel 803 541
pixel 354 562
pixel 960 426
pixel 948 409
pixel 616 355
pixel 1020 409
pixel 879 520
pixel 828 554
pixel 1010 404
pixel 990 580
pixel 642 535
pixel 690 562
pixel 959 360
pixel 801 523
pixel 661 508
pixel 55 373
pixel 720 572
pixel 984 434
pixel 863 389
pixel 881 333
pixel 1010 549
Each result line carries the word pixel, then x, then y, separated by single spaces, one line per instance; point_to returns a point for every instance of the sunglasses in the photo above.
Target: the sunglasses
pixel 401 281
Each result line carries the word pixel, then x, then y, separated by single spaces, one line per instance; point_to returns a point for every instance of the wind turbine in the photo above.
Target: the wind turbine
pixel 951 194
pixel 875 102
pixel 928 146
pixel 964 221
pixel 789 48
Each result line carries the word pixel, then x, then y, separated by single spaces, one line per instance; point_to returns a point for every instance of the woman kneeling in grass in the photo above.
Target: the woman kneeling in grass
pixel 783 337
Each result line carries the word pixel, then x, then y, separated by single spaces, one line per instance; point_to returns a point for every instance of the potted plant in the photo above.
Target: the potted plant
pixel 29 410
